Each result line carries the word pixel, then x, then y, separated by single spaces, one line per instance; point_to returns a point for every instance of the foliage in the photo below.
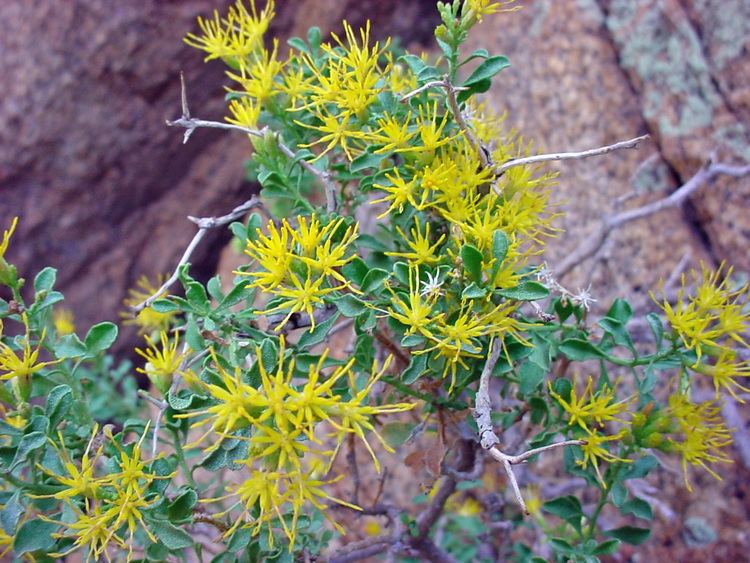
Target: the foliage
pixel 252 408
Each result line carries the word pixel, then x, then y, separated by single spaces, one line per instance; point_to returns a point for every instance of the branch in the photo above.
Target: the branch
pixel 630 144
pixel 204 224
pixel 483 404
pixel 450 91
pixel 591 245
pixel 487 437
pixel 191 124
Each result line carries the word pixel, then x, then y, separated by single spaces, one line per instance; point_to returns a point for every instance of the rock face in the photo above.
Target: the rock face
pixel 101 185
pixel 587 73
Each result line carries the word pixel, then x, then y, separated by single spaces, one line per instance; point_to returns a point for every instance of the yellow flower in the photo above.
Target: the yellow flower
pixel 337 130
pixel 258 74
pixel 417 313
pixel 245 112
pixel 303 296
pixel 91 529
pixel 393 133
pixel 703 434
pixel 6 237
pixel 594 450
pixel 724 371
pixel 354 416
pixel 147 319
pixel 19 369
pixel 711 318
pixel 422 250
pixel 599 406
pixel 78 482
pixel 237 36
pixel 272 254
pixel 237 405
pixel 63 321
pixel 475 10
pixel 161 365
pixel 430 130
pixel 399 193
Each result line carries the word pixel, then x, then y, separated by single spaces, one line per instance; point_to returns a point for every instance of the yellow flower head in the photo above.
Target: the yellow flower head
pixel 702 434
pixel 78 482
pixel 423 251
pixel 594 451
pixel 714 318
pixel 235 37
pixel 592 406
pixel 147 319
pixel 161 364
pixel 6 237
pixel 63 321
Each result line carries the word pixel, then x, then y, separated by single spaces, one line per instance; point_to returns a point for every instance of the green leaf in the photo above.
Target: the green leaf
pixel 617 330
pixel 297 43
pixel 487 69
pixel 164 306
pixel 620 311
pixel 11 512
pixel 640 468
pixel 69 346
pixel 401 271
pixel 197 297
pixel 181 508
pixel 45 280
pixel 414 63
pixel 619 494
pixel 170 535
pixel 193 334
pixel 100 337
pixel 630 534
pixel 499 247
pixel 240 539
pixel 411 340
pixel 579 350
pixel 638 507
pixel 656 327
pixel 396 433
pixel 568 508
pixel 29 443
pixel 416 368
pixel 531 375
pixel 34 535
pixel 374 280
pixel 476 88
pixel 356 270
pixel 59 401
pixel 319 333
pixel 608 547
pixel 560 545
pixel 254 223
pixel 366 160
pixel 472 291
pixel 472 260
pixel 314 37
pixel 476 54
pixel 525 291
pixel 350 306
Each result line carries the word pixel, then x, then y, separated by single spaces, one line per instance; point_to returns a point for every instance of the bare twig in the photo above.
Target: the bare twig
pixel 433 84
pixel 204 225
pixel 487 437
pixel 191 124
pixel 483 154
pixel 535 159
pixel 590 246
pixel 483 404
pixel 351 459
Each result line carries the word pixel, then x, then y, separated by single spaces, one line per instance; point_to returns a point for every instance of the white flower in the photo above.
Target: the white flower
pixel 432 286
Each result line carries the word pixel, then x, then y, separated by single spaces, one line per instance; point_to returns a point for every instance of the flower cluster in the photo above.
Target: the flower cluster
pixel 281 423
pixel 713 322
pixel 103 506
pixel 300 266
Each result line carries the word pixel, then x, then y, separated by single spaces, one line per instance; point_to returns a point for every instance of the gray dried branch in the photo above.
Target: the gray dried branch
pixel 191 124
pixel 592 244
pixel 204 225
